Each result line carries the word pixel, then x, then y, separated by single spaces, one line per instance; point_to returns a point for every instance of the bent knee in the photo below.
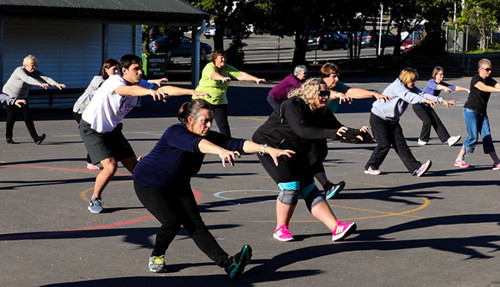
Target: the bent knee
pixel 289 197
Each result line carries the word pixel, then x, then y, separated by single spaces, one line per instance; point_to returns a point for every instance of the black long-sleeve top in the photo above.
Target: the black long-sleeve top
pixel 294 126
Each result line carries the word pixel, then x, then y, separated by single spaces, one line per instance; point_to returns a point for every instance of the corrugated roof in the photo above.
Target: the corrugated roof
pixel 147 10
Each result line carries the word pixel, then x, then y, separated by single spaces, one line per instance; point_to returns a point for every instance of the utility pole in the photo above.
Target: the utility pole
pixel 380 28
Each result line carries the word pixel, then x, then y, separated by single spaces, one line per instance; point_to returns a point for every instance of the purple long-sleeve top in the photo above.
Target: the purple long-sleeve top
pixel 281 90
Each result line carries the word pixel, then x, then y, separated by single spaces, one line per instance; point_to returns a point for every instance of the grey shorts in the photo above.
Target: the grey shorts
pixel 105 145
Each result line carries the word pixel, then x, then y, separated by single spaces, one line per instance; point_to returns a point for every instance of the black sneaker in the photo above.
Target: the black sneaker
pixel 10 141
pixel 235 265
pixel 39 139
pixel 334 189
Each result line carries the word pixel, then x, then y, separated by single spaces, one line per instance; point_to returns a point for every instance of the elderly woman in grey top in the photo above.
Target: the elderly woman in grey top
pixel 384 121
pixel 18 86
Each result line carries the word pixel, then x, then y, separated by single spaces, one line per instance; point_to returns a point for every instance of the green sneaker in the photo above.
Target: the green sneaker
pixel 236 264
pixel 157 264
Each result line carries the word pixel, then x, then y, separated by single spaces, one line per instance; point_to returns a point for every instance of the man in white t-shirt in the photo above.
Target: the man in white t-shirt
pixel 101 125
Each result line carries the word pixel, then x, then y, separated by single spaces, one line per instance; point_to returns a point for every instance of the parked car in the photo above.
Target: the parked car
pixel 370 39
pixel 412 41
pixel 163 45
pixel 326 41
pixel 209 32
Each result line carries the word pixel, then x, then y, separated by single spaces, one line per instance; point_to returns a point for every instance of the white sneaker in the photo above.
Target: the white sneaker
pixel 453 140
pixel 423 168
pixel 372 171
pixel 421 142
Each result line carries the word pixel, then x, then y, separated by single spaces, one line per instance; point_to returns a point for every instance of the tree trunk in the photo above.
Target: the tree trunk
pixel 219 35
pixel 299 53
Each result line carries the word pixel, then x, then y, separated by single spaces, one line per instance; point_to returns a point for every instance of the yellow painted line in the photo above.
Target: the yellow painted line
pixel 84 197
pixel 253 119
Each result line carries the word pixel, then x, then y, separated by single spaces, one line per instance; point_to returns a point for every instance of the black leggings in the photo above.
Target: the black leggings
pixel 387 134
pixel 220 115
pixel 174 207
pixel 430 119
pixel 78 118
pixel 11 119
pixel 317 155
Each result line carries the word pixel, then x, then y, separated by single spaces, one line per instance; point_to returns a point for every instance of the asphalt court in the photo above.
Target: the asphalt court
pixel 441 229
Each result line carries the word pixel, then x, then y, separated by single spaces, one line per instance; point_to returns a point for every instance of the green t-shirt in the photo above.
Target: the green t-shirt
pixel 216 89
pixel 333 105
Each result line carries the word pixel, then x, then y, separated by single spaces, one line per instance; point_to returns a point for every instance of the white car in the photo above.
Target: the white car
pixel 209 32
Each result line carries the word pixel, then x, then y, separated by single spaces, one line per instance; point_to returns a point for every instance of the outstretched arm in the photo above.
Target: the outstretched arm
pixel 461 89
pixel 158 82
pixel 485 88
pixel 138 91
pixel 251 147
pixel 218 77
pixel 357 93
pixel 206 146
pixel 174 91
pixel 247 77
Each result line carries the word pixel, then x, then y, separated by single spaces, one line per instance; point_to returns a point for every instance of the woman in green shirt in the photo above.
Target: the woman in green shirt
pixel 215 79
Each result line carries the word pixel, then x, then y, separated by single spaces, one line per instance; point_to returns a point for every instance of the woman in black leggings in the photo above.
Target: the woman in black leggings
pixel 162 183
pixel 301 121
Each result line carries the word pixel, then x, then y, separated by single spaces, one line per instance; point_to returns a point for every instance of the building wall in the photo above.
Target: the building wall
pixel 70 52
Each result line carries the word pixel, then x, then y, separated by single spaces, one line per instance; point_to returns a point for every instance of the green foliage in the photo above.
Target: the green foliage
pixel 435 12
pixel 232 18
pixel 481 15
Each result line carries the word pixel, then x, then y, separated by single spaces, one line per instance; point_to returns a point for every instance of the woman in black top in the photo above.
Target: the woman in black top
pixel 476 118
pixel 301 120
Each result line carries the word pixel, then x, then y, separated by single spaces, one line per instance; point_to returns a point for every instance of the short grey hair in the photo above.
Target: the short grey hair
pixel 483 62
pixel 299 70
pixel 30 59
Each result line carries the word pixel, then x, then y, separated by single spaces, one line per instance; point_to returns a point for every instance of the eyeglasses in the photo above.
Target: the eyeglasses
pixel 487 69
pixel 324 93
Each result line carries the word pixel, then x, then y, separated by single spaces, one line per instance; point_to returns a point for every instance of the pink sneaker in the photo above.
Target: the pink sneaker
pixel 496 166
pixel 461 163
pixel 282 233
pixel 343 230
pixel 372 171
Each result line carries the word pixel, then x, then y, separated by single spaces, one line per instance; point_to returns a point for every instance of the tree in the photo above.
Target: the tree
pixel 435 12
pixel 297 18
pixel 483 16
pixel 231 18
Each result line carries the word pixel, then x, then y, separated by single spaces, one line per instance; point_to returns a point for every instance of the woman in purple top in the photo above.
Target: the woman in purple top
pixel 293 81
pixel 162 183
pixel 429 116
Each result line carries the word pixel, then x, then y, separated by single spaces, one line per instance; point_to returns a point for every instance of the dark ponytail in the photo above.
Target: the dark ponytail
pixel 192 108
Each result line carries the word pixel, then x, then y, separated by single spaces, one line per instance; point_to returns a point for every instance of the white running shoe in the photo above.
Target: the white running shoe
pixel 421 142
pixel 453 140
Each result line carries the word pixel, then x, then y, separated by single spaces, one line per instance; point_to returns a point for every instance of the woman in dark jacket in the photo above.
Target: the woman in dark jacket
pixel 301 120
pixel 162 183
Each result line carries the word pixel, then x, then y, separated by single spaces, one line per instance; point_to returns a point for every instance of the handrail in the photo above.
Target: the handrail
pixel 463 54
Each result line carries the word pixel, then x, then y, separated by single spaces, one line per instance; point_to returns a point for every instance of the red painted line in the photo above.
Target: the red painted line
pixel 116 224
pixel 60 168
pixel 40 235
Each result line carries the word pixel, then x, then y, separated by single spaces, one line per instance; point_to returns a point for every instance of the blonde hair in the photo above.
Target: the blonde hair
pixel 408 75
pixel 308 92
pixel 30 59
